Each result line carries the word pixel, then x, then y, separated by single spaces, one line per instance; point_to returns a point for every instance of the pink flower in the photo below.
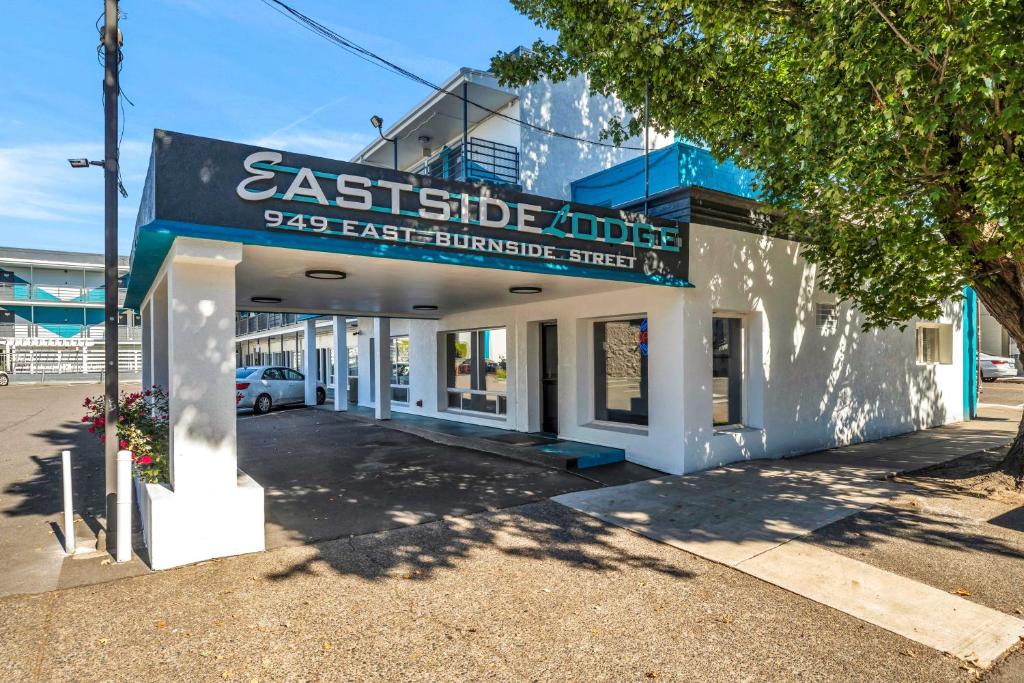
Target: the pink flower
pixel 124 444
pixel 92 430
pixel 145 460
pixel 103 438
pixel 85 418
pixel 87 402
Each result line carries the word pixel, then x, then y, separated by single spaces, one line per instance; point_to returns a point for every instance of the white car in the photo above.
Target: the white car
pixel 264 386
pixel 994 367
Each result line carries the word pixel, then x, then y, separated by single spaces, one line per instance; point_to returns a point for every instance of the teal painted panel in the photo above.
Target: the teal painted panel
pixel 970 328
pixel 65 331
pixel 678 165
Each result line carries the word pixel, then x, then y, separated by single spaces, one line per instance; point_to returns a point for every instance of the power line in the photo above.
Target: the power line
pixel 367 55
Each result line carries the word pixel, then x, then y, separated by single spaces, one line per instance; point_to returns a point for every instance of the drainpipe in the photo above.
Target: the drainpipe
pixel 647 151
pixel 465 130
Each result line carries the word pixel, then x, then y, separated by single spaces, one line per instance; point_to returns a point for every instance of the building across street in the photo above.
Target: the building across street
pixel 51 317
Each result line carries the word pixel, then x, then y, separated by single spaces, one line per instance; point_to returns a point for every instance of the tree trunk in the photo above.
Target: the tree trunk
pixel 1003 295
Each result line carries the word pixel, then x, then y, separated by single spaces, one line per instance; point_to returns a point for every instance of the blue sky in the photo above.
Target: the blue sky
pixel 231 69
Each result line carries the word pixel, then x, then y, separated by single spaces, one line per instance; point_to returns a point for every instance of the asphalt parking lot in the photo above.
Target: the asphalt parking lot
pixel 328 476
pixel 1003 392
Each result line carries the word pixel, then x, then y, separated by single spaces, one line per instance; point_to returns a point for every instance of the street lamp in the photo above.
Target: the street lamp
pixel 378 123
pixel 84 163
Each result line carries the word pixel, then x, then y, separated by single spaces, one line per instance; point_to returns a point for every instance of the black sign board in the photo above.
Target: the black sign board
pixel 253 194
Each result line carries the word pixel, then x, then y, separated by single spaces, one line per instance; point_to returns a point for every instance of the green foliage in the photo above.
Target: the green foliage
pixel 888 137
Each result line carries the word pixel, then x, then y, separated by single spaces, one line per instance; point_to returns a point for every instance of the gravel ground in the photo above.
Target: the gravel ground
pixel 536 592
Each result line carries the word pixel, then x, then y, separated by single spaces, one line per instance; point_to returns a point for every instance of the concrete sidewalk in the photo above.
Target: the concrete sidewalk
pixel 750 516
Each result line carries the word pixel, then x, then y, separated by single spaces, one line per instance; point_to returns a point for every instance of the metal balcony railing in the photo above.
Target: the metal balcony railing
pixel 484 160
pixel 23 291
pixel 64 331
pixel 261 322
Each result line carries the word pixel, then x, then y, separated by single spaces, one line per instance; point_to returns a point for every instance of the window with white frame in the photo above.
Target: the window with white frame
pixel 826 316
pixel 476 372
pixel 400 369
pixel 726 371
pixel 934 343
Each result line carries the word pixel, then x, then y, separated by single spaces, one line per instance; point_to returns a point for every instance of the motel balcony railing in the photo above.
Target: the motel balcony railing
pixel 481 160
pixel 23 291
pixel 261 322
pixel 65 331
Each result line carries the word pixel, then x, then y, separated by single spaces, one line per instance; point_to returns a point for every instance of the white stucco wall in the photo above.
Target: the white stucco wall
pixel 805 388
pixel 549 164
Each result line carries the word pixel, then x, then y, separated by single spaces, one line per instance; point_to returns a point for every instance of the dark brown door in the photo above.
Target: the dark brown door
pixel 549 378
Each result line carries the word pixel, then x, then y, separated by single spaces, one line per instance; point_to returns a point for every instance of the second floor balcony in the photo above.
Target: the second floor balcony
pixel 261 322
pixel 65 331
pixel 477 160
pixel 24 291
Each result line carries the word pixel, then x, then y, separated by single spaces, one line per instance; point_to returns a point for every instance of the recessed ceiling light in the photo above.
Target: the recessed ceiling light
pixel 424 307
pixel 326 274
pixel 525 290
pixel 266 299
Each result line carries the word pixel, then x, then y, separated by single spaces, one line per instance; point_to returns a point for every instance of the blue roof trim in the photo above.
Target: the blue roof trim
pixel 678 165
pixel 154 240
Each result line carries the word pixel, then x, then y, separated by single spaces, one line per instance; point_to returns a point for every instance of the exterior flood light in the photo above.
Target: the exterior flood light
pixel 376 121
pixel 266 299
pixel 424 307
pixel 525 290
pixel 83 163
pixel 321 274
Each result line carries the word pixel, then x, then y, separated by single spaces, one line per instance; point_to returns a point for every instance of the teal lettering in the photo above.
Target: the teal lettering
pixel 592 235
pixel 609 223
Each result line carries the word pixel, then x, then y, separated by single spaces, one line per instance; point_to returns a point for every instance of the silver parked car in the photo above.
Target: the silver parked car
pixel 994 367
pixel 265 386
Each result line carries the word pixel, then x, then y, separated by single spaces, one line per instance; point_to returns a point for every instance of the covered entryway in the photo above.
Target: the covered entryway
pixel 434 271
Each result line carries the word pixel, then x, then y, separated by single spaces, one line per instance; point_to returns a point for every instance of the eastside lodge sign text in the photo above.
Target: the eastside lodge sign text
pixel 373 211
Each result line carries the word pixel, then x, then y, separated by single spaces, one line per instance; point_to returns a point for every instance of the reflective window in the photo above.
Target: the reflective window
pixel 400 369
pixel 620 371
pixel 477 370
pixel 727 371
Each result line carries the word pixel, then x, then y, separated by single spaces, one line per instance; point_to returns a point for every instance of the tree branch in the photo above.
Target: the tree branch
pixel 899 34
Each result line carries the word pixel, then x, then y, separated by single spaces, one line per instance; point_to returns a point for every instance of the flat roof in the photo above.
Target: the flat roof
pixel 54 257
pixel 438 117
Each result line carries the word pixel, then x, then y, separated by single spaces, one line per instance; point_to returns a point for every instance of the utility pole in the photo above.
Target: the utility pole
pixel 111 38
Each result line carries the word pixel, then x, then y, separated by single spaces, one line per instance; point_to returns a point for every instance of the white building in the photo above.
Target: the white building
pixel 686 339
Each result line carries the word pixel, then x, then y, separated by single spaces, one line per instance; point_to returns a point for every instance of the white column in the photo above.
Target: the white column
pixel 211 508
pixel 340 363
pixel 309 365
pixel 382 383
pixel 201 363
pixel 147 350
pixel 158 334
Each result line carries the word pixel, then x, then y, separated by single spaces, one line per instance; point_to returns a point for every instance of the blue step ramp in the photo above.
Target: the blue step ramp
pixel 582 455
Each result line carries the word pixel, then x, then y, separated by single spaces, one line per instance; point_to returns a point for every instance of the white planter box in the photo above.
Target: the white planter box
pixel 181 528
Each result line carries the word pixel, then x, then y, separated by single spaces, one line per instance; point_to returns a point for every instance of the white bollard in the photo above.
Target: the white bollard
pixel 124 506
pixel 69 514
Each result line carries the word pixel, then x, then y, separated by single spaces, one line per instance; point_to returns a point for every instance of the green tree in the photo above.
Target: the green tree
pixel 886 134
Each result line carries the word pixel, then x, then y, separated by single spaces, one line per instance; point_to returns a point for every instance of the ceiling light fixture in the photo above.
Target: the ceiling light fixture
pixel 266 299
pixel 525 290
pixel 321 274
pixel 424 307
